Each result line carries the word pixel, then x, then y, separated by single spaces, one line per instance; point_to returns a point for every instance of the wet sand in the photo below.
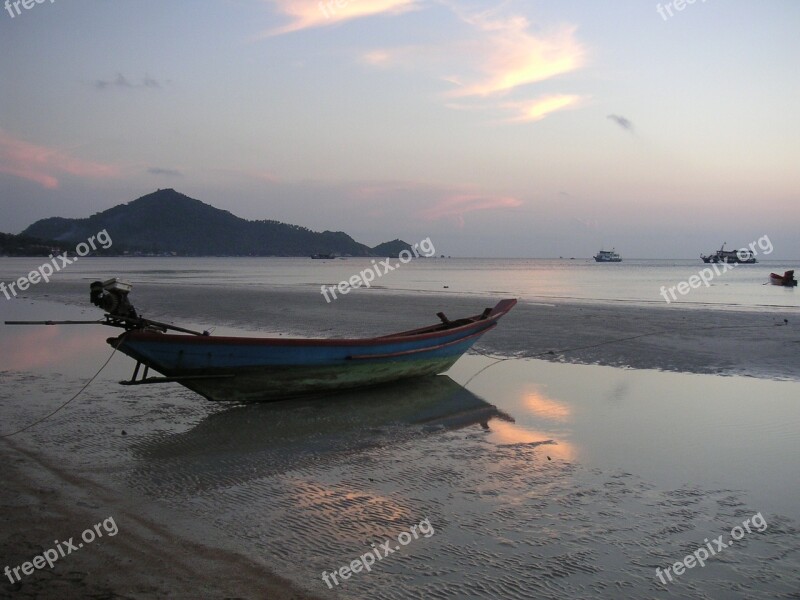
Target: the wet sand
pixel 154 554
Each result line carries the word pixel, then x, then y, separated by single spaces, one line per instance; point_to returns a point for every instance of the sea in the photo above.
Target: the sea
pixel 519 478
pixel 638 281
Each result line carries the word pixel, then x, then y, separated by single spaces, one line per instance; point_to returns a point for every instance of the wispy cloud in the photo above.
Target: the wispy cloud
pixel 622 122
pixel 504 55
pixel 120 81
pixel 429 202
pixel 391 57
pixel 164 172
pixel 514 56
pixel 43 165
pixel 377 58
pixel 308 14
pixel 536 110
pixel 457 206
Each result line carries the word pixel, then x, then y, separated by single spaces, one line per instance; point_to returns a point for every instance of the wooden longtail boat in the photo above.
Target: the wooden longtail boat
pixel 258 369
pixel 248 369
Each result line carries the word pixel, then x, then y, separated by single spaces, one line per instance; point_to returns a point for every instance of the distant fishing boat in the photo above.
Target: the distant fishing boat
pixel 608 256
pixel 250 369
pixel 787 279
pixel 741 256
pixel 323 256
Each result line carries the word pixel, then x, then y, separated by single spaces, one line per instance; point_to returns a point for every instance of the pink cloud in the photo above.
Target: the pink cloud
pixel 450 202
pixel 455 206
pixel 536 110
pixel 41 164
pixel 377 58
pixel 502 56
pixel 406 57
pixel 306 15
pixel 514 57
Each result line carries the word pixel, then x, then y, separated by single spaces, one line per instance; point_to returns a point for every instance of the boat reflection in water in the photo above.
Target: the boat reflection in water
pixel 246 442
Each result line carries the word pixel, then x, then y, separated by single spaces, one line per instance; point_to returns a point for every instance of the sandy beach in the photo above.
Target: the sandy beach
pixel 154 555
pixel 188 452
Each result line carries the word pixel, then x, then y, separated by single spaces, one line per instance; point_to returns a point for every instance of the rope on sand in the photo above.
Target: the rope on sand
pixel 79 392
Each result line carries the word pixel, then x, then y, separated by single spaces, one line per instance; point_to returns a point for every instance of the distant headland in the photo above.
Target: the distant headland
pixel 167 222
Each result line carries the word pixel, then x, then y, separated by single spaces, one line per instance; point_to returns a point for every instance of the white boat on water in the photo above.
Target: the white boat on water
pixel 608 256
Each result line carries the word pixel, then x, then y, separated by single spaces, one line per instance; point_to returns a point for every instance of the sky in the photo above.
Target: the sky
pixel 498 129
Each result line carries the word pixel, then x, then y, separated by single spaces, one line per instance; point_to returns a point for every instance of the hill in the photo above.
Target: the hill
pixel 393 248
pixel 167 221
pixel 23 245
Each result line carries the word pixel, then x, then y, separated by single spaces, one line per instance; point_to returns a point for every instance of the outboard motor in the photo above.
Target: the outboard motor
pixel 112 297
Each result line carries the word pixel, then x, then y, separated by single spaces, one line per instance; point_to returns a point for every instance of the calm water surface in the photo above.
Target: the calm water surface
pixel 637 281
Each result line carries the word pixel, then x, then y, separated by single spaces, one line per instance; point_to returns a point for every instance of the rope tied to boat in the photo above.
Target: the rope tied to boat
pixel 78 393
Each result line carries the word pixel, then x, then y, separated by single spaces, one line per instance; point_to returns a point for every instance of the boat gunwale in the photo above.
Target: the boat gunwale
pixel 460 340
pixel 425 333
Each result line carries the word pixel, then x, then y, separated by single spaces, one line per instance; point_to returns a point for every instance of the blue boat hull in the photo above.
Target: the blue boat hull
pixel 259 369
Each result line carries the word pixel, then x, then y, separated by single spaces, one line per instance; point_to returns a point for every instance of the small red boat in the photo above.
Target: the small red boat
pixel 787 279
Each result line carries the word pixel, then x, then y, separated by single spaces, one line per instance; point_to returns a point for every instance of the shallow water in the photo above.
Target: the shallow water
pixel 540 480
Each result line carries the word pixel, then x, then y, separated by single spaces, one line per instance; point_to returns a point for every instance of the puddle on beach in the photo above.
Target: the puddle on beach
pixel 540 480
pixel 671 428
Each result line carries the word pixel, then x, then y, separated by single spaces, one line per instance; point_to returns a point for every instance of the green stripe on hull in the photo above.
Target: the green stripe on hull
pixel 274 383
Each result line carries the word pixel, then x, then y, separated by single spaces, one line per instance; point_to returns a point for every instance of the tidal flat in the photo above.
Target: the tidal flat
pixel 540 477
